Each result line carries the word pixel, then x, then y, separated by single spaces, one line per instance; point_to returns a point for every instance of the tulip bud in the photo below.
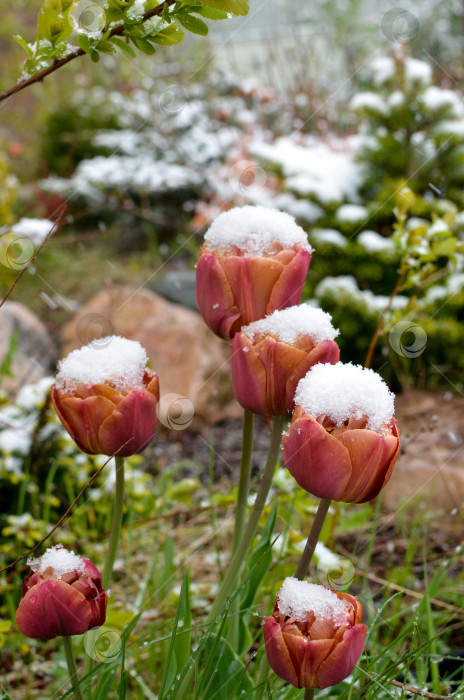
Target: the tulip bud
pixel 253 262
pixel 270 356
pixel 62 596
pixel 106 398
pixel 314 636
pixel 343 440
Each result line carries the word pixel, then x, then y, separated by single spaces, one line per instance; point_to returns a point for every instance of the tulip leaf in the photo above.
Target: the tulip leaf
pixel 179 647
pixel 230 679
pixel 259 562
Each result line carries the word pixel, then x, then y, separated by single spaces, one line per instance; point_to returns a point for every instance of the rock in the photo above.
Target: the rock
pixel 35 354
pixel 189 359
pixel 179 286
pixel 429 473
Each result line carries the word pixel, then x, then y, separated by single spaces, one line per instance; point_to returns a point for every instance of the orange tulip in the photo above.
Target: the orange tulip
pixel 253 262
pixel 270 357
pixel 62 596
pixel 343 456
pixel 320 645
pixel 107 416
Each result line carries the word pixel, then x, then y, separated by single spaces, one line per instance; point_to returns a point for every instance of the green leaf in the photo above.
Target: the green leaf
pixel 211 13
pixel 179 647
pixel 85 43
pixel 169 36
pixel 24 45
pixel 144 45
pixel 106 47
pixel 193 24
pixel 124 46
pixel 230 678
pixel 94 55
pixel 236 7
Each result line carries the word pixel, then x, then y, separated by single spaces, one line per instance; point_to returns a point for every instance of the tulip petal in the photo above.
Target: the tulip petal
pixel 252 281
pixel 82 419
pixel 280 360
pixel 52 609
pixel 277 652
pixel 370 455
pixel 315 459
pixel 317 651
pixel 131 426
pixel 248 375
pixel 215 298
pixel 287 291
pixel 343 658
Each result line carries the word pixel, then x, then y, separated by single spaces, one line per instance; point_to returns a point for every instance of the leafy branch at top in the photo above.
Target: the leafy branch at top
pixel 63 33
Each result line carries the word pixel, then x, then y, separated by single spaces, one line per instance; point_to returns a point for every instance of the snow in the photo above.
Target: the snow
pixel 116 361
pixel 62 560
pixel 324 171
pixel 435 98
pixel 396 99
pixel 36 230
pixel 373 242
pixel 450 127
pixel 346 287
pixel 352 213
pixel 297 598
pixel 329 236
pixel 383 70
pixel 295 321
pixel 342 391
pixel 254 229
pixel 32 396
pixel 369 101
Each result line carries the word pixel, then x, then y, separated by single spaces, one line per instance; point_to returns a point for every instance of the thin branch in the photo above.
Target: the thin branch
pixel 411 688
pixel 67 511
pixel 53 230
pixel 116 31
pixel 379 326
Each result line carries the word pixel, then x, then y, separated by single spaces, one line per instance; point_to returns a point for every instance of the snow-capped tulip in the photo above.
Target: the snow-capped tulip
pixel 314 636
pixel 254 261
pixel 270 356
pixel 62 596
pixel 106 398
pixel 343 440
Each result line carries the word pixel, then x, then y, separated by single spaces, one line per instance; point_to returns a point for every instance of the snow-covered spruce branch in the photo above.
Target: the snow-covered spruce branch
pixel 120 30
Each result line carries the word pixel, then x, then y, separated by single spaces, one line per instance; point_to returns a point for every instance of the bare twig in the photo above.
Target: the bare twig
pixel 411 688
pixel 54 228
pixel 116 31
pixel 379 326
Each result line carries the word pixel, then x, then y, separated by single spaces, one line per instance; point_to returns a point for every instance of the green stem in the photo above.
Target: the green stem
pixel 240 517
pixel 244 482
pixel 312 540
pixel 309 694
pixel 112 547
pixel 241 552
pixel 116 524
pixel 72 668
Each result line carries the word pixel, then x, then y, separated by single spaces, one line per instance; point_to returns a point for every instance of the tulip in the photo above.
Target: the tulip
pixel 106 415
pixel 270 356
pixel 62 596
pixel 253 262
pixel 319 645
pixel 344 456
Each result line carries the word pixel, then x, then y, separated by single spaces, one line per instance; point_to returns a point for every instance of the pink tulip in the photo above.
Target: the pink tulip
pixel 315 649
pixel 348 463
pixel 108 415
pixel 59 602
pixel 266 369
pixel 236 287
